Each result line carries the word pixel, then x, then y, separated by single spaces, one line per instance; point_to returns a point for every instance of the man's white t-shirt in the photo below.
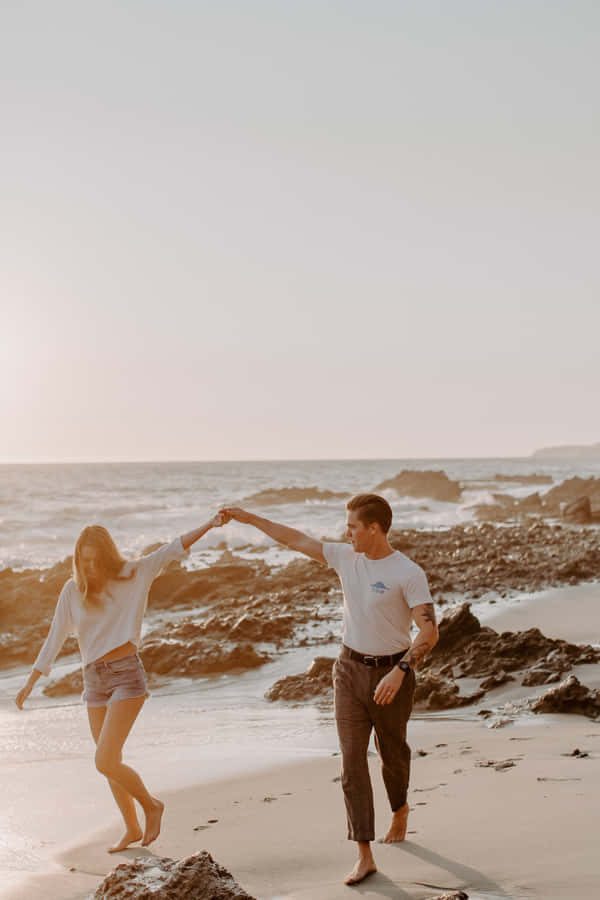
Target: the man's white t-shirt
pixel 379 595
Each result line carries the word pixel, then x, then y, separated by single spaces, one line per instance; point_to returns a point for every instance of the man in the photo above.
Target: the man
pixel 373 676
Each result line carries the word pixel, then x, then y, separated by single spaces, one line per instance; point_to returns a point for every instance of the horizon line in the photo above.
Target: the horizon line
pixel 90 462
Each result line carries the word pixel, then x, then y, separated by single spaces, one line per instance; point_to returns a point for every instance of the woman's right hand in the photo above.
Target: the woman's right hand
pixel 23 695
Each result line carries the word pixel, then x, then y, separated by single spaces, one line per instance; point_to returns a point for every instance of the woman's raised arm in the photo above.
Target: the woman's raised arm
pixel 191 537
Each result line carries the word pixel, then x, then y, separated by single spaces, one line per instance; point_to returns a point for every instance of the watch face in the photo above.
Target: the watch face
pixel 404 666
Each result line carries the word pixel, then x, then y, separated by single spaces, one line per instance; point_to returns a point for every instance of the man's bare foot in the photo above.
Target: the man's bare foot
pixel 131 836
pixel 153 817
pixel 397 830
pixel 365 865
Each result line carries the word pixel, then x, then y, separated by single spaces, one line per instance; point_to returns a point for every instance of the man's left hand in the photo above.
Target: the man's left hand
pixel 389 686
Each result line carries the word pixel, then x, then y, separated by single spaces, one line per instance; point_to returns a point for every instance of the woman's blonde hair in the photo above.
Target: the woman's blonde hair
pixel 109 561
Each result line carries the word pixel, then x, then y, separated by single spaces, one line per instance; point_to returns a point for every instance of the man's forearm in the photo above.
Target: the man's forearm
pixel 425 640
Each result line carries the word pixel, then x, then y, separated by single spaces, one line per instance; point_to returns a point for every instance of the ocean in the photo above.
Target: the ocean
pixel 44 507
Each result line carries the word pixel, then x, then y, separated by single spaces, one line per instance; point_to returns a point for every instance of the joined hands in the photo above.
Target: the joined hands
pixel 235 512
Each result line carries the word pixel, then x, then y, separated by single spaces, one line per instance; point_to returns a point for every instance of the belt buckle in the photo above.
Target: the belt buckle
pixel 370 661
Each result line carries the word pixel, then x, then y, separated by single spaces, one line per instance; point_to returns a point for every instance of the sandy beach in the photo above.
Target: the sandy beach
pixel 500 812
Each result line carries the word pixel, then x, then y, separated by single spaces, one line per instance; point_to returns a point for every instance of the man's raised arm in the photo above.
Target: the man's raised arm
pixel 290 537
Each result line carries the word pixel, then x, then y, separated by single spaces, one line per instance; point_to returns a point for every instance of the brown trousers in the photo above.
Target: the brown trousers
pixel 356 714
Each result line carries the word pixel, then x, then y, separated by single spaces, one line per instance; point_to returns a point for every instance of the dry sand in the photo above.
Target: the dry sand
pixel 524 831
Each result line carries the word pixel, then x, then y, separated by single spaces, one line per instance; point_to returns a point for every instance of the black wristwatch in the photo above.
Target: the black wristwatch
pixel 403 666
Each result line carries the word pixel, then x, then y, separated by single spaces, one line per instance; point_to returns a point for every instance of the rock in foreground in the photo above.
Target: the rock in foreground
pixel 453 895
pixel 433 692
pixel 315 682
pixel 570 696
pixel 196 877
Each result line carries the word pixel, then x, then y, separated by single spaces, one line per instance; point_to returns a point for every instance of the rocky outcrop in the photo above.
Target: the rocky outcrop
pixel 276 496
pixel 472 560
pixel 578 511
pixel 197 877
pixel 456 626
pixel 245 612
pixel 576 500
pixel 433 484
pixel 315 682
pixel 30 597
pixel 175 655
pixel 570 696
pixel 466 649
pixel 523 479
pixel 452 895
pixel 434 693
pixel 20 647
pixel 572 489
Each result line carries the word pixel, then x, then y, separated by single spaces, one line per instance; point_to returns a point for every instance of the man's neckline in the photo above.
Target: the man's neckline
pixel 378 558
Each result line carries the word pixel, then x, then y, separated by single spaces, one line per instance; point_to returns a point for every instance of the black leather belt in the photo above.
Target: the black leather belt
pixel 373 661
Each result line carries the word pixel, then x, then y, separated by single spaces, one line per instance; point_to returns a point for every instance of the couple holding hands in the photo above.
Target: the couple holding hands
pixel 104 603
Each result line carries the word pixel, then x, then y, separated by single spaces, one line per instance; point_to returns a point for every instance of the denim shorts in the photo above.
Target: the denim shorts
pixel 105 681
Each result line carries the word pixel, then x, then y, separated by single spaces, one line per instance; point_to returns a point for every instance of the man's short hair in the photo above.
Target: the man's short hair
pixel 372 508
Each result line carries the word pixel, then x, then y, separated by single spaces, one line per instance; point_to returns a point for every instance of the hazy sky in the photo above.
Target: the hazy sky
pixel 298 229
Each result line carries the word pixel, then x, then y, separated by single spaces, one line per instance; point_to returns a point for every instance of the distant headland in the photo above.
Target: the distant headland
pixel 567 451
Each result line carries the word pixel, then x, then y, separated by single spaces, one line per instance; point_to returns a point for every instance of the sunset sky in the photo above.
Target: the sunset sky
pixel 298 229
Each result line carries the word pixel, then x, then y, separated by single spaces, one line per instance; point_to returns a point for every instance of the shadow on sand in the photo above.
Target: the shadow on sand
pixel 470 879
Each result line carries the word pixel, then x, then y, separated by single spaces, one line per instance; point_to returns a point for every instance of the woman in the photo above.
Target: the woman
pixel 104 604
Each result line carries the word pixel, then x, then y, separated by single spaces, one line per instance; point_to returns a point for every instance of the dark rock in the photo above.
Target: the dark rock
pixel 453 895
pixel 483 653
pixel 572 489
pixel 494 512
pixel 434 484
pixel 254 628
pixel 433 692
pixel 456 625
pixel 472 560
pixel 274 496
pixel 578 511
pixel 540 674
pixel 184 658
pixel 196 877
pixel 315 682
pixel 524 479
pixel 496 680
pixel 570 696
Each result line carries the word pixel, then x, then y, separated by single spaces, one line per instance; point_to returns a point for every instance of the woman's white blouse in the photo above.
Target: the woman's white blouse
pixel 116 621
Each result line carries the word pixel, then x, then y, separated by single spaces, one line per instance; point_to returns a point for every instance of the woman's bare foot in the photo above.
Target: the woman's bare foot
pixel 131 836
pixel 365 865
pixel 153 817
pixel 397 830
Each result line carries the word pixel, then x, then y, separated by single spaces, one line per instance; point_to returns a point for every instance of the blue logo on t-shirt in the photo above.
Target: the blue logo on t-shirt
pixel 379 587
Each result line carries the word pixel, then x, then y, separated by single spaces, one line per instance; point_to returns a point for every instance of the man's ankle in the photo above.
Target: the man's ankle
pixel 364 850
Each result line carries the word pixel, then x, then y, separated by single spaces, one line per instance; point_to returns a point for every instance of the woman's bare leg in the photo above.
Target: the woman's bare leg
pixel 124 800
pixel 118 722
